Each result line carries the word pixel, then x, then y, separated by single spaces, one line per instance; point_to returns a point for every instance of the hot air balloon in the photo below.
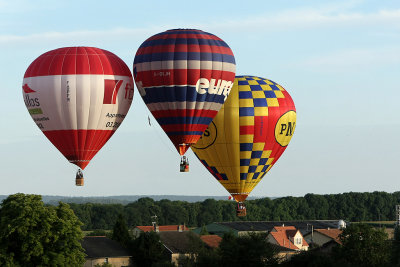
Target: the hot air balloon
pixel 248 135
pixel 184 76
pixel 78 97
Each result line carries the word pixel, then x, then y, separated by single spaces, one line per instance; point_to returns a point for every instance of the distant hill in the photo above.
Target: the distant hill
pixel 53 200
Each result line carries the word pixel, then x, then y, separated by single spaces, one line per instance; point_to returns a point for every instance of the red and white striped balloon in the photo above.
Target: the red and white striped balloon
pixel 78 97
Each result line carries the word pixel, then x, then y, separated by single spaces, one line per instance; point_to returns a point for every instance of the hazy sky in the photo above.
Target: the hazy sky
pixel 339 60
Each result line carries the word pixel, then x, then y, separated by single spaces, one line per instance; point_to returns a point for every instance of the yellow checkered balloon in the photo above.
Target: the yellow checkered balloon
pixel 248 135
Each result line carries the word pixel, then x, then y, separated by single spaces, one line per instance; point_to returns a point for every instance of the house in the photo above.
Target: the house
pixel 178 244
pixel 287 237
pixel 100 249
pixel 321 237
pixel 212 241
pixel 162 228
pixel 239 228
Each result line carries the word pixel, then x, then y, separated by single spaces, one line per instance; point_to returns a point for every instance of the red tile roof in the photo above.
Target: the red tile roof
pixel 163 228
pixel 284 228
pixel 284 236
pixel 211 240
pixel 332 233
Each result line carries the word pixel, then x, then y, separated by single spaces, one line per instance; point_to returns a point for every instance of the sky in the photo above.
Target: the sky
pixel 339 60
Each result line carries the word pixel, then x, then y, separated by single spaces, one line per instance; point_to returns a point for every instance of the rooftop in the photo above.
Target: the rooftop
pixel 211 240
pixel 284 236
pixel 303 226
pixel 177 242
pixel 101 247
pixel 332 233
pixel 163 228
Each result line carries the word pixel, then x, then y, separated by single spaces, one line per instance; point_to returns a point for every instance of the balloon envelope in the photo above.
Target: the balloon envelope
pixel 184 77
pixel 248 135
pixel 78 97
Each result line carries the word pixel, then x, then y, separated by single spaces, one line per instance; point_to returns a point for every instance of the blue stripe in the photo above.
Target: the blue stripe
pixel 243 176
pixel 179 94
pixel 202 161
pixel 247 111
pixel 183 120
pixel 261 82
pixel 243 82
pixel 256 175
pixel 256 154
pixel 269 94
pixel 224 177
pixel 264 169
pixel 244 162
pixel 255 87
pixel 246 146
pixel 275 88
pixel 245 95
pixel 263 161
pixel 260 102
pixel 184 56
pixel 252 169
pixel 185 41
pixel 185 133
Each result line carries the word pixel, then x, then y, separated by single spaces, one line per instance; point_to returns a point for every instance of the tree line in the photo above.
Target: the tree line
pixel 33 234
pixel 375 206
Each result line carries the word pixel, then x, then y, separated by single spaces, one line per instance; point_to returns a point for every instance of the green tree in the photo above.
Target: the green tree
pixel 148 251
pixel 396 247
pixel 121 232
pixel 248 250
pixel 32 234
pixel 363 245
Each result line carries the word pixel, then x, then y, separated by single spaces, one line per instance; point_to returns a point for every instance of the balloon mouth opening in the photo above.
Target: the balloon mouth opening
pixel 239 197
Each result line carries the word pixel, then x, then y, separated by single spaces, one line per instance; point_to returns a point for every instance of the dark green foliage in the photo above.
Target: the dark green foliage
pixel 121 232
pixel 32 234
pixel 249 250
pixel 97 232
pixel 396 247
pixel 204 230
pixel 363 245
pixel 315 258
pixel 147 250
pixel 348 206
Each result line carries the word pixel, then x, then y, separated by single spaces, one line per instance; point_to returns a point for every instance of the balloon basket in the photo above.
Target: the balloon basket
pixel 79 181
pixel 241 210
pixel 184 165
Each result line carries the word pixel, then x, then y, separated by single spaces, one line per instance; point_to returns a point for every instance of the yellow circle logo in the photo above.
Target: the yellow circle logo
pixel 208 138
pixel 284 128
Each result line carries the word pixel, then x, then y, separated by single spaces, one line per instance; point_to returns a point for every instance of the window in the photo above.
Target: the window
pixel 298 240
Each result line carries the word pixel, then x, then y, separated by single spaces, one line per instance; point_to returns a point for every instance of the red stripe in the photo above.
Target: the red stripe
pixel 77 60
pixel 79 146
pixel 184 127
pixel 181 76
pixel 184 48
pixel 184 113
pixel 246 129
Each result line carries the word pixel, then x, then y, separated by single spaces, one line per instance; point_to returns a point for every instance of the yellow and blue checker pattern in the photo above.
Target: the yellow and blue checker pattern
pixel 242 149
